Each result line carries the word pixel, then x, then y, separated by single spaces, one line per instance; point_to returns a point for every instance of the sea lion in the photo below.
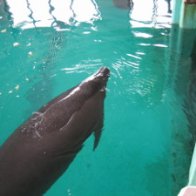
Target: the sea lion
pixel 42 148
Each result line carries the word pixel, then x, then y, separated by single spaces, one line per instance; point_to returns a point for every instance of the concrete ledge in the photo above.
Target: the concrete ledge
pixel 188 191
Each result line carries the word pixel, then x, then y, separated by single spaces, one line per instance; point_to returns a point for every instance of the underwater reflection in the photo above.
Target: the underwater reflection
pixel 157 13
pixel 46 13
pixel 124 4
pixel 190 104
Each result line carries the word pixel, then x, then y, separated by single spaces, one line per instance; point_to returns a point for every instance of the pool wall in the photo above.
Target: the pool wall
pixel 184 16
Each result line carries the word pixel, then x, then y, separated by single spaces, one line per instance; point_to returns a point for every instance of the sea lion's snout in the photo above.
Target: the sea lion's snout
pixel 100 77
pixel 103 72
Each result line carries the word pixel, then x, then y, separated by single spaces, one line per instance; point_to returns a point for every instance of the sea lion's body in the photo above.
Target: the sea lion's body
pixel 40 150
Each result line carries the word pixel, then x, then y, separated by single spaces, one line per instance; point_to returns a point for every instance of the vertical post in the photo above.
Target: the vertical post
pixel 176 11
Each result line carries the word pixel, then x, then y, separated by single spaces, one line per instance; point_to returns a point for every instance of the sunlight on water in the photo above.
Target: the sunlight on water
pixel 52 13
pixel 50 46
pixel 151 13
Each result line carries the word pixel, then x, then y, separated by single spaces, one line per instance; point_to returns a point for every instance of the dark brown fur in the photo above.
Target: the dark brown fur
pixel 39 151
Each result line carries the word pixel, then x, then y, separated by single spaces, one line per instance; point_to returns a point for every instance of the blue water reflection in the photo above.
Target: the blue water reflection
pixel 49 46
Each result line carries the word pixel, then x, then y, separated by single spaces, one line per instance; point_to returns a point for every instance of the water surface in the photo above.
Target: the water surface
pixel 143 149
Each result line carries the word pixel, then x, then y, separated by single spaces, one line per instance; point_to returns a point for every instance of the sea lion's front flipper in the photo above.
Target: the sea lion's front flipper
pixel 97 131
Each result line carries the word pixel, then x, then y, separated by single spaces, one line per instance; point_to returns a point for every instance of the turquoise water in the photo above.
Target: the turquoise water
pixel 144 149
